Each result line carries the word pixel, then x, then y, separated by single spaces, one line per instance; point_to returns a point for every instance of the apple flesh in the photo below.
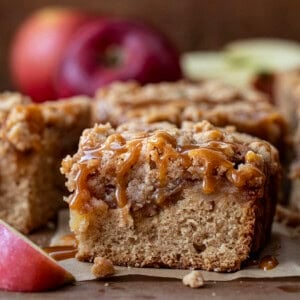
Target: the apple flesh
pixel 115 50
pixel 26 268
pixel 38 47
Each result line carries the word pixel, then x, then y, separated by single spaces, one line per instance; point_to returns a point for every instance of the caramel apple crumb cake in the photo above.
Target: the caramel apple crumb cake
pixel 158 196
pixel 33 140
pixel 221 104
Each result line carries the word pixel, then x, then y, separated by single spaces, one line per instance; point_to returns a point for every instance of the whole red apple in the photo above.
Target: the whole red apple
pixel 38 47
pixel 105 51
pixel 26 268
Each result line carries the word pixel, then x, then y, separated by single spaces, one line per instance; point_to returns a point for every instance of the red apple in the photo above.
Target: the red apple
pixel 25 267
pixel 105 51
pixel 38 47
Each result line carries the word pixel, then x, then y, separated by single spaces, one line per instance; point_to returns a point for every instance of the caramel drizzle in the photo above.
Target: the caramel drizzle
pixel 168 144
pixel 211 155
pixel 134 150
pixel 117 145
pixel 211 158
pixel 61 252
pixel 268 262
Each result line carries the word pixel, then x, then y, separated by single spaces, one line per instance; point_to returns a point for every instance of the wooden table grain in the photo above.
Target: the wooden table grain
pixel 141 287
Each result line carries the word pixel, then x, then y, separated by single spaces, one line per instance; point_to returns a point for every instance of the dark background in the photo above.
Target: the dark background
pixel 192 24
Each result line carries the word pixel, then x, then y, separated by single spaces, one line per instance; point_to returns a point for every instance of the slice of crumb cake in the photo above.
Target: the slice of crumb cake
pixel 221 104
pixel 158 196
pixel 33 140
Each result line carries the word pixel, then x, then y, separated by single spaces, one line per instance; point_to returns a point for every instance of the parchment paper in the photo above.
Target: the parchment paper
pixel 284 245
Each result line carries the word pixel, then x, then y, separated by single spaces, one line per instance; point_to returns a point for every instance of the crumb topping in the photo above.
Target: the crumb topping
pixel 102 267
pixel 211 100
pixel 25 125
pixel 127 166
pixel 194 280
pixel 8 100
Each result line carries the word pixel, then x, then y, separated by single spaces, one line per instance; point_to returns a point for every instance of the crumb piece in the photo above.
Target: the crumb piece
pixel 213 294
pixel 193 279
pixel 106 284
pixel 102 267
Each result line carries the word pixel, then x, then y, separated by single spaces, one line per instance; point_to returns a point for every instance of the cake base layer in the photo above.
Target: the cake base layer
pixel 199 231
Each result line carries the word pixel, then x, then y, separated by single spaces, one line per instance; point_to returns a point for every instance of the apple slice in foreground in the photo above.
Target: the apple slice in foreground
pixel 24 267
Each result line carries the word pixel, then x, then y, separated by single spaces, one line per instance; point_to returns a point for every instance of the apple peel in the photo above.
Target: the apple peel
pixel 24 267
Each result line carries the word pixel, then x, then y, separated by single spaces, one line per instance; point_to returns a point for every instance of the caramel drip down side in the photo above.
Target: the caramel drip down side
pixel 133 151
pixel 166 146
pixel 90 161
pixel 211 161
pixel 81 197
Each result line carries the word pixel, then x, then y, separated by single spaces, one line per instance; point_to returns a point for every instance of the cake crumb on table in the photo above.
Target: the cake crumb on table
pixel 102 267
pixel 194 279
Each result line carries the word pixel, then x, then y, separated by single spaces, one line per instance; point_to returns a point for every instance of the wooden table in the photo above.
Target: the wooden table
pixel 139 287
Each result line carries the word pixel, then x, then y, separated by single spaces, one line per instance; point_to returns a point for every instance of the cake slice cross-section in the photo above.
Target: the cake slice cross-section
pixel 161 196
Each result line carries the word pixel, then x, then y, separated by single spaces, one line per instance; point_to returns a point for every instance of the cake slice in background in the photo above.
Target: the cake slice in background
pixel 287 98
pixel 158 196
pixel 33 140
pixel 219 103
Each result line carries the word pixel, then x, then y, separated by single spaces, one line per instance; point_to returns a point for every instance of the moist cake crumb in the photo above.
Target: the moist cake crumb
pixel 102 267
pixel 194 279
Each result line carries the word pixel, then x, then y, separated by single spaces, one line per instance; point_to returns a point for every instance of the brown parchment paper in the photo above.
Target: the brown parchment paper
pixel 284 245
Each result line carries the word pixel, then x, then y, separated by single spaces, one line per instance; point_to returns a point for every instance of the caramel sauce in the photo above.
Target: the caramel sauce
pixel 82 195
pixel 167 150
pixel 68 240
pixel 211 159
pixel 165 144
pixel 208 157
pixel 61 252
pixel 240 177
pixel 268 262
pixel 117 145
pixel 134 149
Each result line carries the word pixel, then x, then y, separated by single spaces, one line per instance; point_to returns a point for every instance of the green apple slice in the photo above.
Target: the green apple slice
pixel 213 65
pixel 264 54
pixel 201 64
